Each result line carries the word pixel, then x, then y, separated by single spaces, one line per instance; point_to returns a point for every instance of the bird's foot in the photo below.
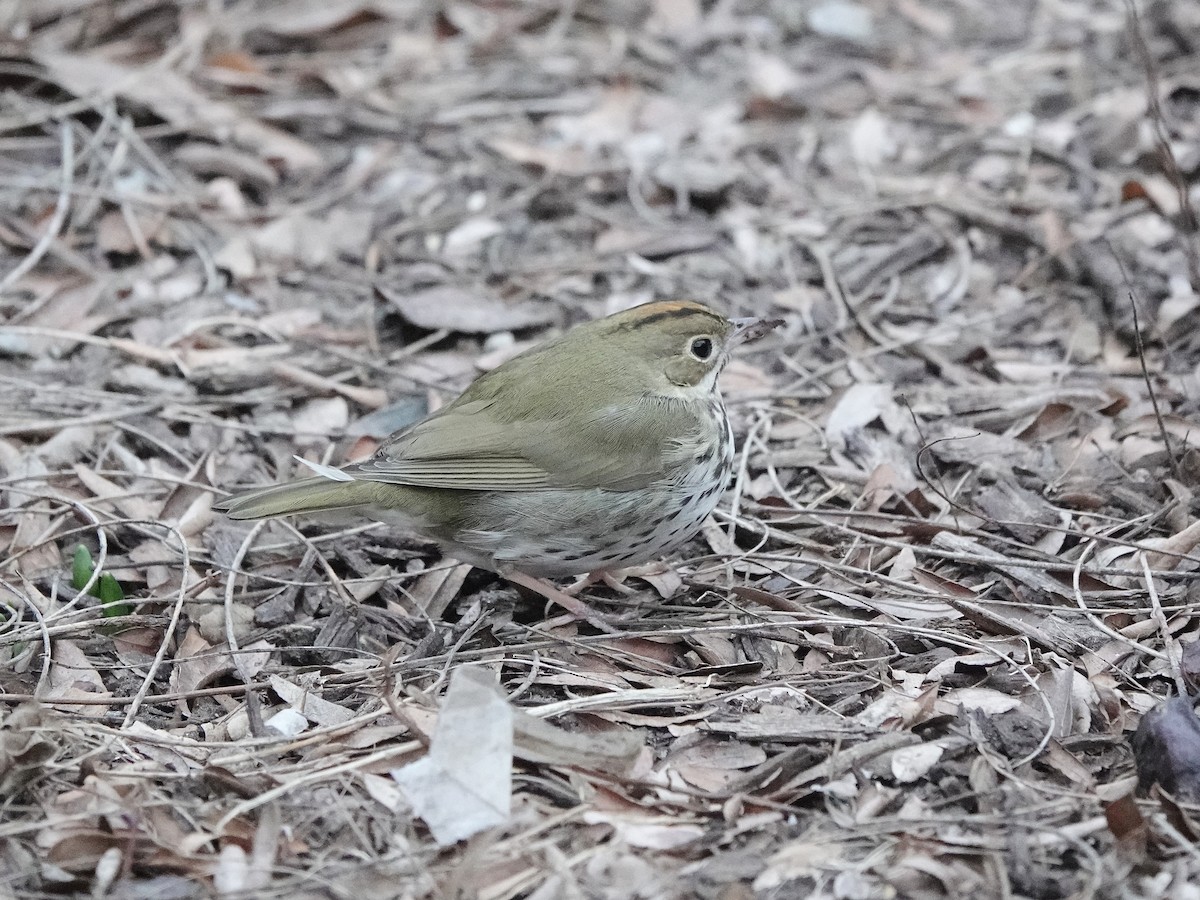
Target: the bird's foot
pixel 571 604
pixel 659 575
pixel 614 579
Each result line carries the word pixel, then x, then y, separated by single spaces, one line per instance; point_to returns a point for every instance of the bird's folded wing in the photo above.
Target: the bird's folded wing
pixel 459 473
pixel 614 450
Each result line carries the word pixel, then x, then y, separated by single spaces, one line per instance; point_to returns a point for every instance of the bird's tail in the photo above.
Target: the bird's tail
pixel 310 495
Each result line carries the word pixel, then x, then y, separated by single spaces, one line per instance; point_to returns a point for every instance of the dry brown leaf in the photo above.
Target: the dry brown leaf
pixel 610 750
pixel 172 97
pixel 472 311
pixel 309 704
pixel 651 832
pixel 986 700
pixel 198 662
pixel 569 161
pixel 25 747
pixel 73 677
pixel 651 244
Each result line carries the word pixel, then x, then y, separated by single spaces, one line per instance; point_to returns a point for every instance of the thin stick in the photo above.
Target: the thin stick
pixel 1169 162
pixel 61 206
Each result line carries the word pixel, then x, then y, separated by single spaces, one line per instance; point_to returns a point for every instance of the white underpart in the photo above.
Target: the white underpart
pixel 560 532
pixel 708 384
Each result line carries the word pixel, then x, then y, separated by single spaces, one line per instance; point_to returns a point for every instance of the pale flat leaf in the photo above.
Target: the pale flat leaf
pixel 798 859
pixel 309 704
pixel 839 19
pixel 893 708
pixel 658 833
pixel 474 311
pixel 323 416
pixel 985 700
pixel 72 676
pixel 464 784
pixel 911 763
pixel 287 722
pixel 469 235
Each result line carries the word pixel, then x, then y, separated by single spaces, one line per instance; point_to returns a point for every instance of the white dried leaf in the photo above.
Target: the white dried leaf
pixel 322 416
pixel 985 700
pixel 801 858
pixel 839 19
pixel 871 140
pixel 308 704
pixel 287 722
pixel 772 77
pixel 197 516
pixel 659 833
pixel 382 790
pixel 470 311
pixel 911 763
pixel 468 235
pixel 237 258
pixel 891 707
pixel 464 784
pixel 232 871
pixel 857 408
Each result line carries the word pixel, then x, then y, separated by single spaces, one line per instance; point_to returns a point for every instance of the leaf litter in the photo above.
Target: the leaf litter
pixel 937 642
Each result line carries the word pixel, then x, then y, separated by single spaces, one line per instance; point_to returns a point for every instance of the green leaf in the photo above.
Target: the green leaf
pixel 81 567
pixel 112 597
pixel 110 590
pixel 107 589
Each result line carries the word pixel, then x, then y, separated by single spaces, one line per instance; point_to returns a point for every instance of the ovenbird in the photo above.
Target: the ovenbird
pixel 604 448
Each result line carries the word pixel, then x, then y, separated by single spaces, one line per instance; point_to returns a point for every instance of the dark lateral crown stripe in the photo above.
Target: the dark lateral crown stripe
pixel 672 312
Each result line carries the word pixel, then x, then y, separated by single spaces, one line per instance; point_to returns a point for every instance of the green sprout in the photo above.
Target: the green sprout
pixel 106 588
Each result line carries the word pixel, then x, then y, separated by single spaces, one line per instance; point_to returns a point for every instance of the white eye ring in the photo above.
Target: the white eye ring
pixel 701 348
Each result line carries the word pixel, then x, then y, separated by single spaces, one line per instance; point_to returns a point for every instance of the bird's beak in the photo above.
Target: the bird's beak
pixel 751 328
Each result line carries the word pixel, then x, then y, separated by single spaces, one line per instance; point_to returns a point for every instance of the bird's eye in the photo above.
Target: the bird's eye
pixel 701 348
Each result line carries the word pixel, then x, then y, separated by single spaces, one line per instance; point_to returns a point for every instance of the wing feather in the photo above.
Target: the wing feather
pixel 619 448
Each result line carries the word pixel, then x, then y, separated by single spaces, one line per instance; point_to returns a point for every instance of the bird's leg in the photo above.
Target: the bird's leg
pixel 573 605
pixel 614 580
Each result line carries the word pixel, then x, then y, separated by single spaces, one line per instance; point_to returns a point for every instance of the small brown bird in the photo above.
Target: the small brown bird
pixel 604 448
